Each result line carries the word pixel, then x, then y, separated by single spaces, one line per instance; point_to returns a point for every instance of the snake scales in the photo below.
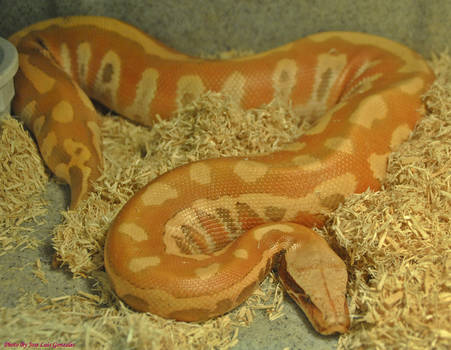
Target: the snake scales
pixel 196 241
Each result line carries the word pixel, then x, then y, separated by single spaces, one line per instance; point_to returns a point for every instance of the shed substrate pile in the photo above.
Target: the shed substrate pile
pixel 396 242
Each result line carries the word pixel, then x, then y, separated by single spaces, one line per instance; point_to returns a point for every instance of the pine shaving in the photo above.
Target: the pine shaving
pixel 396 242
pixel 22 182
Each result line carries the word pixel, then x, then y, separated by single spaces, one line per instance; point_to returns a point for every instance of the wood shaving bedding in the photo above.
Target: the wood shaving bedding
pixel 396 242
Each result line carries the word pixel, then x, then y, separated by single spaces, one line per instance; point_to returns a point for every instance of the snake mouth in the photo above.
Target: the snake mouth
pixel 324 318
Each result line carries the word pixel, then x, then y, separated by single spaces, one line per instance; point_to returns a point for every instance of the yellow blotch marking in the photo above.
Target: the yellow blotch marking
pixel 28 111
pixel 260 232
pixel 295 146
pixel 207 272
pixel 96 137
pixel 83 59
pixel 234 87
pixel 77 150
pixel 134 231
pixel 308 162
pixel 369 110
pixel 78 154
pixel 62 172
pixel 48 144
pixel 241 253
pixel 400 134
pixel 145 93
pixel 65 58
pixel 200 173
pixel 110 68
pixel 378 165
pixel 413 86
pixel 42 82
pixel 158 193
pixel 63 112
pixel 341 185
pixel 189 88
pixel 38 124
pixel 340 144
pixel 139 264
pixel 285 77
pixel 250 171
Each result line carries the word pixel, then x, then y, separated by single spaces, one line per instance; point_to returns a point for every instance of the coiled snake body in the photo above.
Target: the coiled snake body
pixel 196 241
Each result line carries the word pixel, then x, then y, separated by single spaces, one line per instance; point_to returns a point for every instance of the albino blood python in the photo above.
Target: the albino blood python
pixel 196 241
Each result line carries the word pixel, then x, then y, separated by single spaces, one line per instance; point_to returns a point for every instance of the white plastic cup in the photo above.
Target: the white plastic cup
pixel 9 64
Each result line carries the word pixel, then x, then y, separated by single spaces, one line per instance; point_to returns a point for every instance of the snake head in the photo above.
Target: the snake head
pixel 315 278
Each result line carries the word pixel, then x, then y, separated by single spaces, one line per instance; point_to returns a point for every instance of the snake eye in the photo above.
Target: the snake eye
pixel 296 292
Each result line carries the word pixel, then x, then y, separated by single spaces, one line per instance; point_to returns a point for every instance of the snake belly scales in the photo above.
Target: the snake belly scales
pixel 195 242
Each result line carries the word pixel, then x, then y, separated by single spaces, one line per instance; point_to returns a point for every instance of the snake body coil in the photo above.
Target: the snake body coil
pixel 195 242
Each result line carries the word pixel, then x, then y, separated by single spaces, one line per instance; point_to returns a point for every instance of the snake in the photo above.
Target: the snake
pixel 196 241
